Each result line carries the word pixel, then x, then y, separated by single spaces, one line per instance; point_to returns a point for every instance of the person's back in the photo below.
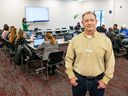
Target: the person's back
pixel 78 26
pixel 49 45
pixel 12 36
pixel 115 28
pixel 111 35
pixel 48 48
pixel 103 29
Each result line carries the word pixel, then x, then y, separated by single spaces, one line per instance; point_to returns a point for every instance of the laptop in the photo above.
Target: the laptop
pixel 67 37
pixel 28 34
pixel 37 42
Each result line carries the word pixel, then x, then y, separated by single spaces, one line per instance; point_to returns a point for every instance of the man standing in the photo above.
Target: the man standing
pixel 89 60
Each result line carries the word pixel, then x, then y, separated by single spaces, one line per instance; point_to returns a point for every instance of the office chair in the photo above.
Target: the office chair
pixel 29 57
pixel 64 30
pixel 6 45
pixel 1 42
pixel 36 29
pixel 54 58
pixel 35 58
pixel 71 28
pixel 82 29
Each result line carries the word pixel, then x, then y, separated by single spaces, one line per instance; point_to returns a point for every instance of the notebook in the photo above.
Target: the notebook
pixel 37 42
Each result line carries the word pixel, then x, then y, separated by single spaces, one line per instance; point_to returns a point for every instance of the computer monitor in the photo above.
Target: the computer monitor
pixel 39 35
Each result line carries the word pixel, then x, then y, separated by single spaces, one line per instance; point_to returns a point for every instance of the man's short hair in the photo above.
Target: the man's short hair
pixel 88 12
pixel 115 25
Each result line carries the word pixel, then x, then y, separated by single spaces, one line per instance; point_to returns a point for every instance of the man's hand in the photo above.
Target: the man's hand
pixel 73 81
pixel 101 85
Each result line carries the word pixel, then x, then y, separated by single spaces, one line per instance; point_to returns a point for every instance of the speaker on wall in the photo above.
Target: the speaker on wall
pixel 110 11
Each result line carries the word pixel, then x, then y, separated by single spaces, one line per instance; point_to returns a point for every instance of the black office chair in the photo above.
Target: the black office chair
pixel 6 45
pixel 28 60
pixel 54 59
pixel 35 58
pixel 1 42
pixel 64 30
pixel 71 28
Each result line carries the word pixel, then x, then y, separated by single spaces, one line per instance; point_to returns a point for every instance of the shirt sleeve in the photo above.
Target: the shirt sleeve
pixel 109 63
pixel 70 55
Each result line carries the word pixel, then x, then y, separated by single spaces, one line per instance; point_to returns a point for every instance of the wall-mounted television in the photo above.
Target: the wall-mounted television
pixel 37 14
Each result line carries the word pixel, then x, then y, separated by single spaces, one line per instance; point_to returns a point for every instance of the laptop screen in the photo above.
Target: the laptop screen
pixel 38 42
pixel 28 34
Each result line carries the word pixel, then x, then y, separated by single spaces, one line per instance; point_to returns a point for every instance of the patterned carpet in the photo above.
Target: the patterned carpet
pixel 16 82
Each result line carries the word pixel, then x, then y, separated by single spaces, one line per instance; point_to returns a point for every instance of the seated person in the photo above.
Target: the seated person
pixel 12 37
pixel 115 28
pixel 103 29
pixel 10 29
pixel 123 28
pixel 49 45
pixel 22 48
pixel 78 26
pixel 117 44
pixel 5 31
pixel 111 35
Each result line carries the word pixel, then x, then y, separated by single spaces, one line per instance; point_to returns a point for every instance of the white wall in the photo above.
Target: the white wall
pixel 62 11
pixel 11 12
pixel 121 14
pixel 105 5
pixel 118 16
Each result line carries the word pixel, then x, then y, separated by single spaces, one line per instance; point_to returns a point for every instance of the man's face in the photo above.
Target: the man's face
pixel 114 27
pixel 89 22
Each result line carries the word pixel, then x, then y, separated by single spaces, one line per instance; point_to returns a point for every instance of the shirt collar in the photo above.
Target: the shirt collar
pixel 94 35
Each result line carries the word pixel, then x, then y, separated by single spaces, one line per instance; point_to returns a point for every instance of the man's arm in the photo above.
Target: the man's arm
pixel 109 63
pixel 69 59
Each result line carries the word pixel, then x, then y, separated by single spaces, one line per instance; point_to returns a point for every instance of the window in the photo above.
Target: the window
pixel 100 17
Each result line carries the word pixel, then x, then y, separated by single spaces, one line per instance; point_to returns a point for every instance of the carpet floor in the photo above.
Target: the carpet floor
pixel 16 82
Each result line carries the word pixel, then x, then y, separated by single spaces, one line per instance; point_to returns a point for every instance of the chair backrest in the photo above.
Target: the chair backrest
pixel 55 57
pixel 71 28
